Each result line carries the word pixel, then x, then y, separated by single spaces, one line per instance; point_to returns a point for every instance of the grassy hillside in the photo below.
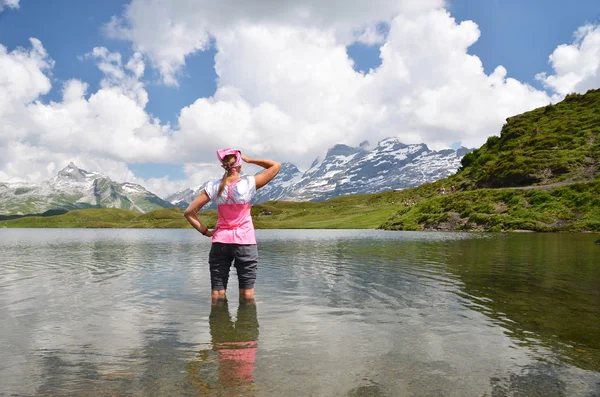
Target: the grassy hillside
pixel 575 207
pixel 556 143
pixel 365 211
pixel 541 174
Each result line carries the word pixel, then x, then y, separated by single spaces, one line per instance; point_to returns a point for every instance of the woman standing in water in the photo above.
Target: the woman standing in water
pixel 233 239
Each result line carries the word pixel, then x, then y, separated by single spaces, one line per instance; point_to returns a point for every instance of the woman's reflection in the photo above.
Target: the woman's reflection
pixel 234 346
pixel 236 342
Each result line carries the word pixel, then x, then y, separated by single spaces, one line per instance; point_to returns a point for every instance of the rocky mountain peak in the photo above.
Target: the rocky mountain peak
pixel 389 144
pixel 288 169
pixel 73 173
pixel 315 162
pixel 342 150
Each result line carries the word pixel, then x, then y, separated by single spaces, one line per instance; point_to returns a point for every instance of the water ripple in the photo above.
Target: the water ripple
pixel 127 312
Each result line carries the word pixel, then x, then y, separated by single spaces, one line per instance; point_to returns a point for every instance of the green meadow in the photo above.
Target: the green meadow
pixel 345 212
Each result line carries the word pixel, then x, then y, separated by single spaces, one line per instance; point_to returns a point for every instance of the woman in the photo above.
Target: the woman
pixel 233 238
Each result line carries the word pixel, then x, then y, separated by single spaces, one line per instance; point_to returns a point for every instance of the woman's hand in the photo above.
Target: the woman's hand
pixel 209 232
pixel 245 158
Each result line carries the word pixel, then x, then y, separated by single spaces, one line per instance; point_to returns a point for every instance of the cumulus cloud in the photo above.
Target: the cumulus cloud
pixel 292 92
pixel 576 65
pixel 111 122
pixel 22 80
pixel 433 90
pixel 9 4
pixel 124 78
pixel 167 31
pixel 281 90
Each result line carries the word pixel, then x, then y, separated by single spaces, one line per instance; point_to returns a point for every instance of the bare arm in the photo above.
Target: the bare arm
pixel 192 210
pixel 272 169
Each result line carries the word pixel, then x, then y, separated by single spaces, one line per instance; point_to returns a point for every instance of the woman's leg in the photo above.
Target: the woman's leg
pixel 219 259
pixel 217 295
pixel 247 295
pixel 246 263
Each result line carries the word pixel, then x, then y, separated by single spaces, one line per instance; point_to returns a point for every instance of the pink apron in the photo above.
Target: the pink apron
pixel 234 225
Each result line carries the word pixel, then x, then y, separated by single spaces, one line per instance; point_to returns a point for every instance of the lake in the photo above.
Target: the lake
pixel 92 312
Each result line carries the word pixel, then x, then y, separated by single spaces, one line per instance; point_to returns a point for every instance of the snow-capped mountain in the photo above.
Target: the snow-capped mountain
pixel 74 188
pixel 288 177
pixel 355 170
pixel 344 170
pixel 184 197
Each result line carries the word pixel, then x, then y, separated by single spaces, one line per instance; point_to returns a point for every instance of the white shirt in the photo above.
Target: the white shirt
pixel 243 191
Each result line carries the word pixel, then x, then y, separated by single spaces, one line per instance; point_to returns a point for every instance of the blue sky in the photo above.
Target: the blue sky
pixel 519 35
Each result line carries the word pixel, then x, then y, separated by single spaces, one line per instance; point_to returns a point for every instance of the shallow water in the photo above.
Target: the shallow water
pixel 338 313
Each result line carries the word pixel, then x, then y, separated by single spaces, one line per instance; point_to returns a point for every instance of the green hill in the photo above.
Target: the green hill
pixel 540 174
pixel 556 143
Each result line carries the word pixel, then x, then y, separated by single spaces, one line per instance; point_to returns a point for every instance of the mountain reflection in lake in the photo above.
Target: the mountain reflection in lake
pixel 341 313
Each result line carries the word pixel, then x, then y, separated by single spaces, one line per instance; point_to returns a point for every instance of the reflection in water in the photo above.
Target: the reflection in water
pixel 235 344
pixel 542 289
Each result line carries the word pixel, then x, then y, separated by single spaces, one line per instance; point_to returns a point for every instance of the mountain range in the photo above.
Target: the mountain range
pixel 390 165
pixel 74 188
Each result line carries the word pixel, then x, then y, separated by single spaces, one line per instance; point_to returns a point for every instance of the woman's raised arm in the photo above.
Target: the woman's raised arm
pixel 271 170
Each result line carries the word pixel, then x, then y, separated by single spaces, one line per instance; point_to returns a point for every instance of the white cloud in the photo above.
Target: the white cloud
pixel 370 35
pixel 292 92
pixel 9 4
pixel 116 76
pixel 577 65
pixel 167 31
pixel 111 122
pixel 433 90
pixel 282 90
pixel 22 80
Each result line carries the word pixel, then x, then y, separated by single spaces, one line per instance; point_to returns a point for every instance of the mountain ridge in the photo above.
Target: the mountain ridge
pixel 345 170
pixel 74 188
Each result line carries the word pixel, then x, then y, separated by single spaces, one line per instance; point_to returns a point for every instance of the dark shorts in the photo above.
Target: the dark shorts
pixel 244 258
